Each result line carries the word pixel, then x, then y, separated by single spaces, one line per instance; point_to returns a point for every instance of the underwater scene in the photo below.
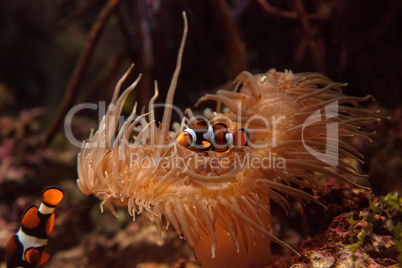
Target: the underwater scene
pixel 222 133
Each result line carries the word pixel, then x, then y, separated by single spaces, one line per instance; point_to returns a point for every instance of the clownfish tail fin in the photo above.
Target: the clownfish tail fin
pixel 241 137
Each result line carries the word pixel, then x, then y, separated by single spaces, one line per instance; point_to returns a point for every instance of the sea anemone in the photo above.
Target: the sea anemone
pixel 220 203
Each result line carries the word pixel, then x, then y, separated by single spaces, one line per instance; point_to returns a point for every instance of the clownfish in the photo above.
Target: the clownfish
pixel 202 137
pixel 27 247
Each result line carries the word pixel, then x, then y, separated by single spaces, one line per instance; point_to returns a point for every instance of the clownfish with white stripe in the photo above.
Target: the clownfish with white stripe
pixel 27 247
pixel 202 137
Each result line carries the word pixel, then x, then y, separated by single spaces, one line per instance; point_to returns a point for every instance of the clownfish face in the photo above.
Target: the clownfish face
pixel 194 140
pixel 188 137
pixel 52 196
pixel 185 139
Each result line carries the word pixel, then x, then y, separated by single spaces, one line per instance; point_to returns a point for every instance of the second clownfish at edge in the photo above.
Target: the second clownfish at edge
pixel 202 137
pixel 27 247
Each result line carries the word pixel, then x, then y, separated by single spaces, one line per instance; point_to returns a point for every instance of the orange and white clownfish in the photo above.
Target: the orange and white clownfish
pixel 27 247
pixel 202 137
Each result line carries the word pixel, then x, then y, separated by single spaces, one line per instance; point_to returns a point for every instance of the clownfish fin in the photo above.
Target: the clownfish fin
pixel 44 257
pixel 11 245
pixel 206 145
pixel 221 125
pixel 30 218
pixel 240 138
pixel 14 252
pixel 201 124
pixel 32 255
pixel 50 224
pixel 220 148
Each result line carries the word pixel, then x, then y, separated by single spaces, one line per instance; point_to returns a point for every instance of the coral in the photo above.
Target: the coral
pixel 19 144
pixel 363 237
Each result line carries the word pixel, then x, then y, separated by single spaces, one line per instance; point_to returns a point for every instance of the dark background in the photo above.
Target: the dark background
pixel 41 41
